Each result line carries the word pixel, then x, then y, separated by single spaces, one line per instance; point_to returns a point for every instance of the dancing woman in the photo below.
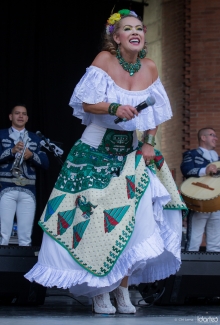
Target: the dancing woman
pixel 110 222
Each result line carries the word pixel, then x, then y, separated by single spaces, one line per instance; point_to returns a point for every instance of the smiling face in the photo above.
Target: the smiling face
pixel 18 117
pixel 130 34
pixel 208 139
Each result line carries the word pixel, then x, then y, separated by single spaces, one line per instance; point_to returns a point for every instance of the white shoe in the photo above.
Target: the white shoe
pixel 123 301
pixel 102 304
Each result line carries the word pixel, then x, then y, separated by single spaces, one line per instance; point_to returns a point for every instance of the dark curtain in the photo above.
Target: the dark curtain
pixel 45 48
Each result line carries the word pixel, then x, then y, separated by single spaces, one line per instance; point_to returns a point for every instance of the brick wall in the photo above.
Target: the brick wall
pixel 187 52
pixel 190 73
pixel 172 77
pixel 204 74
pixel 153 20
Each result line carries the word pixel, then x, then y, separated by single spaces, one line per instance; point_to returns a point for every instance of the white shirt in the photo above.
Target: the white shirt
pixel 19 134
pixel 210 155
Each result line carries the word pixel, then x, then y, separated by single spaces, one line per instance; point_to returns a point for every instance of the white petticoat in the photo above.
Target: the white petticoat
pixel 152 253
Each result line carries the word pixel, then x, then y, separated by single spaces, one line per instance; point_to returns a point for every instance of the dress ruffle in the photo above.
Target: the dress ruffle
pixel 153 250
pixel 147 257
pixel 133 264
pixel 97 86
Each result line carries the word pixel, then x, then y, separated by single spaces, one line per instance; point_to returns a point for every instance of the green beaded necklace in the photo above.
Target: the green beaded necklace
pixel 129 67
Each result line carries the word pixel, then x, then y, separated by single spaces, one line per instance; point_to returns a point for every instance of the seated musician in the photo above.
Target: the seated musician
pixel 194 164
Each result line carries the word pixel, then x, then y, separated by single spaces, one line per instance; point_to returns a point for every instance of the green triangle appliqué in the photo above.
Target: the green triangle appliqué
pixel 65 220
pixel 52 206
pixel 138 157
pixel 130 186
pixel 112 217
pixel 78 231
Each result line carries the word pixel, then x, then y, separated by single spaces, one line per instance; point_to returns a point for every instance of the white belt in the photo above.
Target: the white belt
pixel 18 181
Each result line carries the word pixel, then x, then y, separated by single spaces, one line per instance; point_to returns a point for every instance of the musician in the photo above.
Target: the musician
pixel 17 192
pixel 194 164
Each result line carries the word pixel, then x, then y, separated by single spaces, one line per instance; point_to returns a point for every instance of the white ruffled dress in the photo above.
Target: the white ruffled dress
pixel 153 251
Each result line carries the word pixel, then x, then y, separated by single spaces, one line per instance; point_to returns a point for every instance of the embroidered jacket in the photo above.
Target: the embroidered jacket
pixel 193 161
pixel 7 158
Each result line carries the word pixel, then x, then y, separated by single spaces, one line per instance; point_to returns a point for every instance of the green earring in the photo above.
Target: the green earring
pixel 142 54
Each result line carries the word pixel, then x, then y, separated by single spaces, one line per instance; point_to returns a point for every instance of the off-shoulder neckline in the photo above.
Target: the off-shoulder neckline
pixel 157 81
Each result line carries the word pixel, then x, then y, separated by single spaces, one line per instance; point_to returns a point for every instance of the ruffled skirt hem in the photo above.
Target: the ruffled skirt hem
pixel 152 253
pixel 154 259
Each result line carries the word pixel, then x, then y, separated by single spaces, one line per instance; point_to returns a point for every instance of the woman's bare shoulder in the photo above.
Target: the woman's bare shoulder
pixel 151 67
pixel 102 60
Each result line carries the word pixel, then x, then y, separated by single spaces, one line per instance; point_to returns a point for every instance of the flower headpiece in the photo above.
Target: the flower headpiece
pixel 116 17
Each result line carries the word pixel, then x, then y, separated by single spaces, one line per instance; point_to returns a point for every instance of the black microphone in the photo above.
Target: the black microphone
pixel 150 101
pixel 45 139
pixel 41 135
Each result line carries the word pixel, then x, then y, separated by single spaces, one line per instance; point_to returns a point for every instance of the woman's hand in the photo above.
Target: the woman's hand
pixel 126 112
pixel 148 153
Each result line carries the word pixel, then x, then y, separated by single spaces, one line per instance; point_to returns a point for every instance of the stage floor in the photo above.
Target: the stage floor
pixel 60 308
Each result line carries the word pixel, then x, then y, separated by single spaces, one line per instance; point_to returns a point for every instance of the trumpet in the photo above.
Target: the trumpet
pixel 16 169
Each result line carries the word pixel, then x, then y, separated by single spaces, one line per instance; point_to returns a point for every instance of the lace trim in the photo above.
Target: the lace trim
pixel 6 153
pixel 6 143
pixel 193 171
pixel 20 189
pixel 25 168
pixel 8 174
pixel 36 158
